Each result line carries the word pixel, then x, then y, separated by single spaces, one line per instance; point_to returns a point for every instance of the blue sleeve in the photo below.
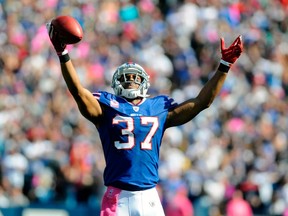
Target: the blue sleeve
pixel 165 102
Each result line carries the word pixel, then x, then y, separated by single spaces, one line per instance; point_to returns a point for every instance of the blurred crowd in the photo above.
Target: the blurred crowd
pixel 233 154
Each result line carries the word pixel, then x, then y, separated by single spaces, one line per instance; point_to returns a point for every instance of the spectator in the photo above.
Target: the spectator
pixel 237 206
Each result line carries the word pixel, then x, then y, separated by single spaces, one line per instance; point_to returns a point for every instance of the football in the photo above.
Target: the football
pixel 68 28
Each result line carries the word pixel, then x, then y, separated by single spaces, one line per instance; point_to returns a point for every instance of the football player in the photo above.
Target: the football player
pixel 131 126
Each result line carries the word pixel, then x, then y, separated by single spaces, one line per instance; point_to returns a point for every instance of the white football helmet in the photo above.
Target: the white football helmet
pixel 130 68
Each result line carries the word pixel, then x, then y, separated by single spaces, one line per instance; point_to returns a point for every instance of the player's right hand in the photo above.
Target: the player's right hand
pixel 233 52
pixel 58 46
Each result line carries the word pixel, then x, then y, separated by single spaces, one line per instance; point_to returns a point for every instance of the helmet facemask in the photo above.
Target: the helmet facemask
pixel 120 77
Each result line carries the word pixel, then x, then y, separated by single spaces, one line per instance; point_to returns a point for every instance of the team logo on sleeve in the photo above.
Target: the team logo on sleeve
pixel 114 103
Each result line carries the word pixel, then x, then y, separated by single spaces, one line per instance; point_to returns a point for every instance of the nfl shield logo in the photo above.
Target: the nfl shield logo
pixel 136 109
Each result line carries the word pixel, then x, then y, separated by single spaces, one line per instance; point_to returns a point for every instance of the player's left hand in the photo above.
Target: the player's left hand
pixel 233 52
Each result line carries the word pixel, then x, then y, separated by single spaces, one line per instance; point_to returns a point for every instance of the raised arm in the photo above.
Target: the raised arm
pixel 187 110
pixel 88 105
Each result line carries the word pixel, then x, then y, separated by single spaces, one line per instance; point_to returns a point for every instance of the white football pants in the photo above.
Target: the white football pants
pixel 117 202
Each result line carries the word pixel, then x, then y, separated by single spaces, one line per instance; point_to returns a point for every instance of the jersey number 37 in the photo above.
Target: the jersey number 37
pixel 129 131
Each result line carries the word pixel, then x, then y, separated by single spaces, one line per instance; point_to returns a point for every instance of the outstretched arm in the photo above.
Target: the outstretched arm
pixel 88 105
pixel 187 110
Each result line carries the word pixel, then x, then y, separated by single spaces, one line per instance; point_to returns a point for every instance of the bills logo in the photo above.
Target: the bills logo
pixel 114 103
pixel 136 109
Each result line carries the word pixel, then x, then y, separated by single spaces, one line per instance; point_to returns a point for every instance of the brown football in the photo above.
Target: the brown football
pixel 68 28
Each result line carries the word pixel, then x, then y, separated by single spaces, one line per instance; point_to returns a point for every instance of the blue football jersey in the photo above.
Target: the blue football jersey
pixel 131 136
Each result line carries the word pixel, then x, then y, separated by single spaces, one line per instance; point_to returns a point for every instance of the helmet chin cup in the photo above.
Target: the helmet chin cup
pixel 130 68
pixel 132 93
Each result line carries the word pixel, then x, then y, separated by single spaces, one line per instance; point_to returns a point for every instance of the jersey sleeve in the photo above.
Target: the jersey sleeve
pixel 106 99
pixel 167 103
pixel 171 103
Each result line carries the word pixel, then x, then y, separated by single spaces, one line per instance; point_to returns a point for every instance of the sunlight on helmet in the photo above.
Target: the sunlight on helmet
pixel 120 76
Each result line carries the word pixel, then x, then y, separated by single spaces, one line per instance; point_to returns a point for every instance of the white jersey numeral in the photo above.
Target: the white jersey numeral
pixel 147 144
pixel 128 131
